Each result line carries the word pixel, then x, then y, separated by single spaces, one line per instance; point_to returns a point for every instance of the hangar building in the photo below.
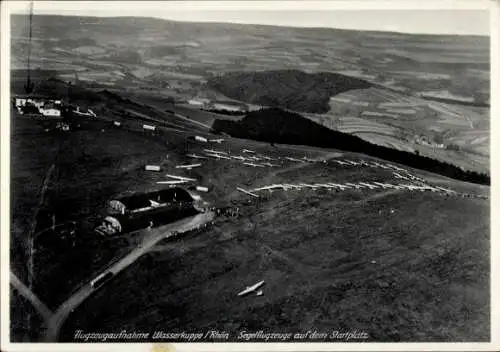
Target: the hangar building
pixel 143 210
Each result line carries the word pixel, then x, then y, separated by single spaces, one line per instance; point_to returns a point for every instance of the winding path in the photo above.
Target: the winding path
pixel 40 307
pixel 149 241
pixel 55 320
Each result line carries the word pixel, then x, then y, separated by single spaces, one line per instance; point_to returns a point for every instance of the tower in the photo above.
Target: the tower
pixel 28 87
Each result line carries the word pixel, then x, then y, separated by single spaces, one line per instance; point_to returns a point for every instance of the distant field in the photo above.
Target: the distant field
pixel 385 140
pixel 251 47
pixel 376 114
pixel 89 50
pixel 461 158
pixel 401 66
pixel 368 129
pixel 355 125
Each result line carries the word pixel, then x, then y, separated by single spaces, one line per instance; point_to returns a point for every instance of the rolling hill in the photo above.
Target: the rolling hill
pixel 290 89
pixel 302 68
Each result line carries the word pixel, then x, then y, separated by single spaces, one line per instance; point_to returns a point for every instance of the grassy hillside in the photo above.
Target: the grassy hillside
pixel 330 260
pixel 290 89
pixel 323 267
pixel 394 276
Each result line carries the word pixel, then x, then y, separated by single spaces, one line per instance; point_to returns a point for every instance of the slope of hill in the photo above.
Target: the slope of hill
pixel 290 89
pixel 279 126
pixel 330 259
pixel 330 262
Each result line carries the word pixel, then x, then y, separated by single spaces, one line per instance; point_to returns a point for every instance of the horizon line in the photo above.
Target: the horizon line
pixel 219 22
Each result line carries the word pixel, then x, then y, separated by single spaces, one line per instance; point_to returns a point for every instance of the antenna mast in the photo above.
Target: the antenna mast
pixel 29 85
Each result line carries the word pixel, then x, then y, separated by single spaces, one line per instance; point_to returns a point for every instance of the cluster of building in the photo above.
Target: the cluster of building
pixel 37 104
pixel 424 140
pixel 45 106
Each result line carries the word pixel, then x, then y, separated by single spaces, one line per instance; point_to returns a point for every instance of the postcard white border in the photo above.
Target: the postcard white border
pixel 9 6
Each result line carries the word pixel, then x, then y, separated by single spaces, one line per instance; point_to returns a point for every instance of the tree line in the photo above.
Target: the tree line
pixel 275 125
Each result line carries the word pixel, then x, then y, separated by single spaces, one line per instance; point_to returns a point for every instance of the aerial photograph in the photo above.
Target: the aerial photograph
pixel 183 174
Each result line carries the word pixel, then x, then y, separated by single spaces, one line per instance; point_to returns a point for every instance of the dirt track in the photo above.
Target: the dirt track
pixel 57 319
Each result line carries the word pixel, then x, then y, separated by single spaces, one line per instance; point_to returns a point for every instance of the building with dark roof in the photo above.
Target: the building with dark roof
pixel 143 210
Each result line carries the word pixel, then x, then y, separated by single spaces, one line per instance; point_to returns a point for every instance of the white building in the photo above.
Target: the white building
pixel 20 102
pixel 37 102
pixel 202 189
pixel 53 112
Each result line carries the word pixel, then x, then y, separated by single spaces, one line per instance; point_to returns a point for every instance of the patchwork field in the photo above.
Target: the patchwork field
pixel 192 54
pixel 411 123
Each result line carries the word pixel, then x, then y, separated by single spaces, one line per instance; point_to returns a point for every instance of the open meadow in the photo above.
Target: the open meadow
pixel 421 274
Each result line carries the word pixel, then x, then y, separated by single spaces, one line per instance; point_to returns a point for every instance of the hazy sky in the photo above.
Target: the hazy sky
pixel 434 17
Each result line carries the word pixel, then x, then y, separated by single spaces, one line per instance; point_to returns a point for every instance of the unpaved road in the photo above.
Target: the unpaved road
pixel 156 235
pixel 40 307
